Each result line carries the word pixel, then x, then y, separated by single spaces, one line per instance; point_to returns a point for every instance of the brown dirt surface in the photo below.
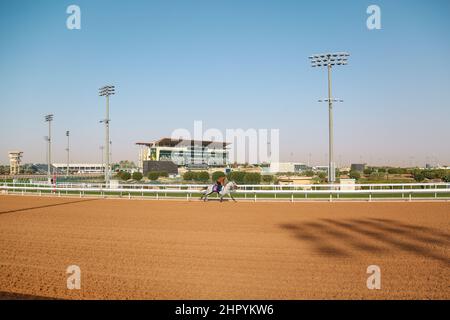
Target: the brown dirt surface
pixel 134 249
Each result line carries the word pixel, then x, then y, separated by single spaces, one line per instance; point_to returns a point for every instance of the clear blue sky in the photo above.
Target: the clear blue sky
pixel 232 64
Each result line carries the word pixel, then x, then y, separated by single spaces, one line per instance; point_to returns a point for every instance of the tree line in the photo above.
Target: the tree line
pixel 239 177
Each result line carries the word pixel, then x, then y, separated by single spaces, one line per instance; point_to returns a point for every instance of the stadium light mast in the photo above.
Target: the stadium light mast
pixel 107 91
pixel 68 151
pixel 49 119
pixel 101 155
pixel 330 60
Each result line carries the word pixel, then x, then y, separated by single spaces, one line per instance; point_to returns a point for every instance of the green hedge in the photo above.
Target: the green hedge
pixel 252 178
pixel 137 176
pixel 397 171
pixel 202 176
pixel 189 176
pixel 155 175
pixel 241 177
pixel 216 175
pixel 419 176
pixel 268 178
pixel 124 175
pixel 236 176
pixel 355 175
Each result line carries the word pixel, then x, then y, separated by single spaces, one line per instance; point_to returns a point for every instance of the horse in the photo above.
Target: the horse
pixel 226 190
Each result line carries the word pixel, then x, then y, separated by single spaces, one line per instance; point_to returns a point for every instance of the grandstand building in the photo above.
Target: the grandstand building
pixel 79 168
pixel 187 153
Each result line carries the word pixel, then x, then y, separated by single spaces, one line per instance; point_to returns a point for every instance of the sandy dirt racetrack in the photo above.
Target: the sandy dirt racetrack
pixel 129 249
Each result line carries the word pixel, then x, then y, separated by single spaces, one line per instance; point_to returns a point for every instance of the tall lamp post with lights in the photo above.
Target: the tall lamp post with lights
pixel 68 151
pixel 101 156
pixel 330 60
pixel 49 119
pixel 107 91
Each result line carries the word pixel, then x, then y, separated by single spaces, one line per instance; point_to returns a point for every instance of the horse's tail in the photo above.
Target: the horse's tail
pixel 204 190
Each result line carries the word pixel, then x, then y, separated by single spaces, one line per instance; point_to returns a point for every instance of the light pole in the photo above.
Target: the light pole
pixel 49 119
pixel 329 60
pixel 101 152
pixel 110 151
pixel 68 151
pixel 46 151
pixel 107 91
pixel 331 163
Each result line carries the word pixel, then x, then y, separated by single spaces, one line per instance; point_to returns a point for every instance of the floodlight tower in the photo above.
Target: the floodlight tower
pixel 107 91
pixel 329 60
pixel 68 150
pixel 331 164
pixel 49 119
pixel 101 155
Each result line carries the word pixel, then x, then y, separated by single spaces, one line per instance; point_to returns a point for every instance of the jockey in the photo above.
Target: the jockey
pixel 219 184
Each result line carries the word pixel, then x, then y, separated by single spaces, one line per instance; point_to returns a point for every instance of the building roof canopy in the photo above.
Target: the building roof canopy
pixel 169 142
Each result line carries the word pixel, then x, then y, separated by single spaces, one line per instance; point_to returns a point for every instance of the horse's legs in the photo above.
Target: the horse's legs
pixel 232 197
pixel 206 196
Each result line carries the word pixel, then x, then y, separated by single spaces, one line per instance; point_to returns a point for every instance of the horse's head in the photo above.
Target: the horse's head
pixel 232 186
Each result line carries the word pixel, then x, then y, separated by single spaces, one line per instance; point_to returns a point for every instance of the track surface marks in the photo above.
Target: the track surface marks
pixel 131 249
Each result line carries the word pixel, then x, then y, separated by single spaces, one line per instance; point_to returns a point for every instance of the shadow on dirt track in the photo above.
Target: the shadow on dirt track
pixel 47 206
pixel 377 236
pixel 19 296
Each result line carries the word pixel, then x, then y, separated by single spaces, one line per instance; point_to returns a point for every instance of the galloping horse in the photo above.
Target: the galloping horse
pixel 226 190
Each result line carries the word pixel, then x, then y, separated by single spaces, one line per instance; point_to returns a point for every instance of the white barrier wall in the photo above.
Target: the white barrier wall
pixel 409 191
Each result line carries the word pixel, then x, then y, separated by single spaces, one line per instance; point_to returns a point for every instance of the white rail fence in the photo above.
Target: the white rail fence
pixel 369 192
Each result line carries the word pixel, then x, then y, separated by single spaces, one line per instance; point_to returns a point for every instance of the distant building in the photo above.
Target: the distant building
pixel 358 167
pixel 188 153
pixel 79 168
pixel 41 168
pixel 15 158
pixel 347 184
pixel 160 166
pixel 321 168
pixel 430 166
pixel 285 167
